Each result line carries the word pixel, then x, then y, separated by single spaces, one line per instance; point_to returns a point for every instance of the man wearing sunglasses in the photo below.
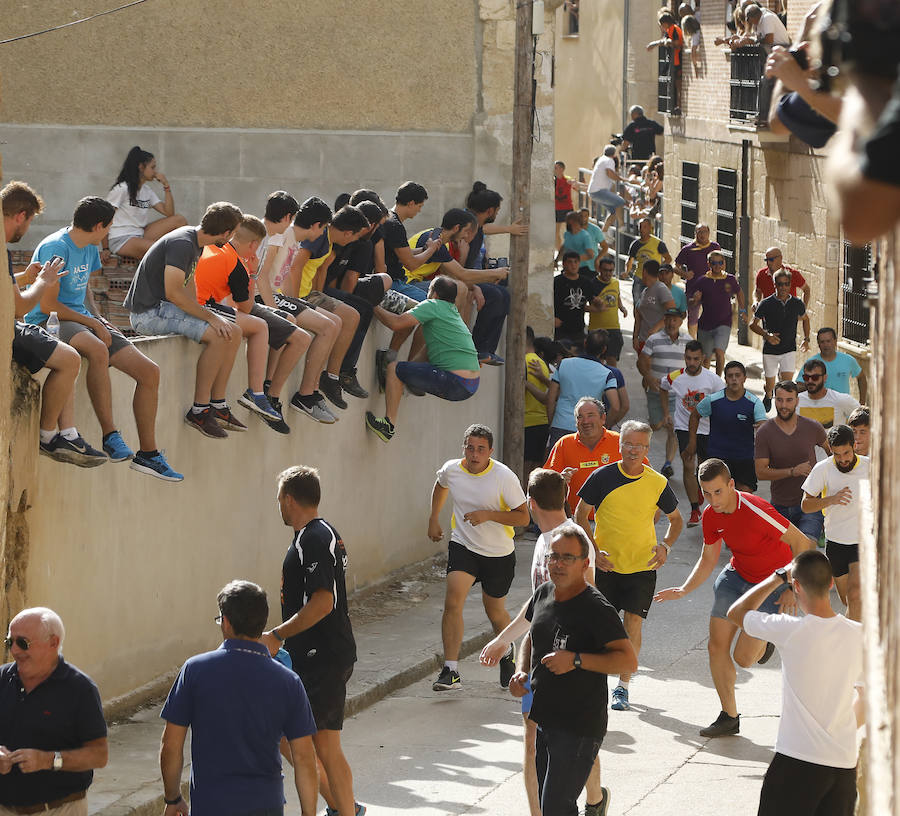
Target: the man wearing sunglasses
pixel 775 320
pixel 714 292
pixel 825 405
pixel 765 278
pixel 52 731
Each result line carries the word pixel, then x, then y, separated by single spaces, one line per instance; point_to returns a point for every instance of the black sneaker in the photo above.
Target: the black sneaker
pixel 331 389
pixel 277 424
pixel 382 427
pixel 724 726
pixel 447 680
pixel 74 451
pixel 351 385
pixel 667 470
pixel 767 654
pixel 767 403
pixel 507 666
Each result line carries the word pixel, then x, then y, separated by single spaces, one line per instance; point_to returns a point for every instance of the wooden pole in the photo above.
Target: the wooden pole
pixel 523 112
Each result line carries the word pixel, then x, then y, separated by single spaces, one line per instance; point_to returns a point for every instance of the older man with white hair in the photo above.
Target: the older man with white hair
pixel 52 731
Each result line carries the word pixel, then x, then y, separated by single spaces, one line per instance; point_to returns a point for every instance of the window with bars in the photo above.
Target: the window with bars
pixel 690 194
pixel 665 92
pixel 858 270
pixel 570 18
pixel 746 74
pixel 726 214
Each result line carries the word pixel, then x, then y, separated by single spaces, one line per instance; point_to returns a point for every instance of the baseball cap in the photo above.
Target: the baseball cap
pixel 673 311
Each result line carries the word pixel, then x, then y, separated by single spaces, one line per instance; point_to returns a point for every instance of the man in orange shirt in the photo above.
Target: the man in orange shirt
pixel 576 456
pixel 224 280
pixel 673 39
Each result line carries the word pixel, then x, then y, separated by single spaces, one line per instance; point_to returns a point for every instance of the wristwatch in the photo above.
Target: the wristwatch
pixel 57 761
pixel 577 660
pixel 781 572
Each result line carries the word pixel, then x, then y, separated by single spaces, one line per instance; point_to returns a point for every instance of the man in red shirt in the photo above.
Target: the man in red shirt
pixel 761 541
pixel 562 196
pixel 673 39
pixel 765 279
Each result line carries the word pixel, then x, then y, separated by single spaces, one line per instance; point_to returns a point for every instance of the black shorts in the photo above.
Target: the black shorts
pixel 630 592
pixel 685 436
pixel 841 556
pixel 743 471
pixel 293 306
pixel 32 346
pixel 561 216
pixel 280 329
pixel 495 573
pixel 536 443
pixel 326 688
pixel 614 343
pixel 793 786
pixel 370 288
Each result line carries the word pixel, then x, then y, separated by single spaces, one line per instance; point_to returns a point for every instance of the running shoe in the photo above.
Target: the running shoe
pixel 313 407
pixel 331 388
pixel 694 520
pixel 350 384
pixel 74 451
pixel 601 808
pixel 155 466
pixel 116 449
pixel 226 419
pixel 767 403
pixel 507 666
pixel 395 302
pixel 277 424
pixel 724 726
pixel 491 359
pixel 382 427
pixel 667 470
pixel 206 423
pixel 447 680
pixel 620 699
pixel 767 654
pixel 360 810
pixel 258 405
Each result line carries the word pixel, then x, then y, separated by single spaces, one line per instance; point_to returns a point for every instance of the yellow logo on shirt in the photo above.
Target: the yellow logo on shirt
pixel 589 464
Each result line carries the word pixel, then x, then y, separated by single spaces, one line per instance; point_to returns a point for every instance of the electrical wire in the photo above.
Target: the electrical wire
pixel 74 22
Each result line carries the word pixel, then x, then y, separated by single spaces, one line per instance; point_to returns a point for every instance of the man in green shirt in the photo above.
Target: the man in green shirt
pixel 448 365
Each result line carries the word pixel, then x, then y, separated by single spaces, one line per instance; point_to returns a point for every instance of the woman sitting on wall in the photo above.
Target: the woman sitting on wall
pixel 131 232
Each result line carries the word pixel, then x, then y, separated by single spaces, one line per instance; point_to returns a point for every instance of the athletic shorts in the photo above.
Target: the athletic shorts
pixel 433 380
pixel 69 328
pixel 685 436
pixel 794 786
pixel 730 586
pixel 326 688
pixel 654 406
pixel 33 346
pixel 280 329
pixel 370 288
pixel 494 573
pixel 712 339
pixel 319 300
pixel 562 215
pixel 627 591
pixel 841 556
pixel 775 363
pixel 293 306
pixel 536 443
pixel 167 318
pixel 614 343
pixel 743 471
pixel 116 242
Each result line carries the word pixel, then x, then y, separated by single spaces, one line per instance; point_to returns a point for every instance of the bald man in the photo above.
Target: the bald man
pixel 52 731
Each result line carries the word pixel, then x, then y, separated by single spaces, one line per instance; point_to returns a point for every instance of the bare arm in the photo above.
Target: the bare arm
pixel 306 774
pixel 619 657
pixel 701 571
pixel 552 397
pixel 583 518
pixel 171 764
pixel 471 277
pixel 863 383
pixel 615 413
pixel 413 260
pixel 438 499
pixel 797 541
pixel 517 517
pixel 752 599
pixel 494 650
pixel 770 474
pixel 396 322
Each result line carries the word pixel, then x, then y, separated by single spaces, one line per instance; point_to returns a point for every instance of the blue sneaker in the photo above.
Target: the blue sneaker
pixel 620 699
pixel 155 466
pixel 116 449
pixel 360 810
pixel 489 358
pixel 74 451
pixel 259 405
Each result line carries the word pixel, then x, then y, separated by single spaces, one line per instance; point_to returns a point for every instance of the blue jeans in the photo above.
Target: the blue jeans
pixel 489 323
pixel 810 524
pixel 608 199
pixel 417 293
pixel 564 763
pixel 432 380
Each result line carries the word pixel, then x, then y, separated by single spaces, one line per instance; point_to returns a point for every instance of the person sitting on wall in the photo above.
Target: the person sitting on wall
pixel 132 233
pixel 448 365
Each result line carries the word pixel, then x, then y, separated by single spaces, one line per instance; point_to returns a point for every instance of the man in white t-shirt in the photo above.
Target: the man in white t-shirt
pixel 769 28
pixel 602 186
pixel 690 385
pixel 814 768
pixel 836 487
pixel 488 502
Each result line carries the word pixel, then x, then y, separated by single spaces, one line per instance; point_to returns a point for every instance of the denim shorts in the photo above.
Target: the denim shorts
pixel 730 586
pixel 810 524
pixel 167 318
pixel 608 199
pixel 433 380
pixel 410 290
pixel 712 339
pixel 654 406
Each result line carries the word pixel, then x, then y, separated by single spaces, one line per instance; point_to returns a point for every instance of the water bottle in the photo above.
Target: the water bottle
pixel 53 324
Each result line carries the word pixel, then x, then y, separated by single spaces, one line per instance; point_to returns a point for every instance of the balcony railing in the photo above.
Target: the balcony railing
pixel 746 74
pixel 665 88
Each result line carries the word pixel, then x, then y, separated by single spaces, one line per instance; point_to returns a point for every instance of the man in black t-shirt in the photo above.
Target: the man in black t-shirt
pixel 316 630
pixel 576 640
pixel 572 295
pixel 641 134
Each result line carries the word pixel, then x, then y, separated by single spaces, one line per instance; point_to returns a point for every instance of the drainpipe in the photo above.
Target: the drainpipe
pixel 744 241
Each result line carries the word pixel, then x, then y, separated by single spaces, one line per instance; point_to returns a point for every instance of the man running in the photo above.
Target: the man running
pixel 761 540
pixel 488 503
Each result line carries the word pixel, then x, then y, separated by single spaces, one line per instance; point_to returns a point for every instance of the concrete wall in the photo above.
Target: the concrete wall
pixel 133 563
pixel 322 64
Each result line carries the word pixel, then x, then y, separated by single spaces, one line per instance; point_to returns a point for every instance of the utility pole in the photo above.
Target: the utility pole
pixel 523 113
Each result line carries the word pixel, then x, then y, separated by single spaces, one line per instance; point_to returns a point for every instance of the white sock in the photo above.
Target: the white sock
pixel 46 436
pixel 451 664
pixel 624 684
pixel 332 376
pixel 69 433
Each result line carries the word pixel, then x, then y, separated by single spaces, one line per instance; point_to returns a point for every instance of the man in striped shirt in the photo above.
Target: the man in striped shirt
pixel 762 541
pixel 663 352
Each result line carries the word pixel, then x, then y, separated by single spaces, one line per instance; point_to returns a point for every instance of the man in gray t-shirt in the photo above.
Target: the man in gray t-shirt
pixel 649 311
pixel 162 299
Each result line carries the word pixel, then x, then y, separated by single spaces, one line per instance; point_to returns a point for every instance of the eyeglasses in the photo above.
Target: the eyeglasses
pixel 782 283
pixel 773 258
pixel 21 642
pixel 218 619
pixel 634 445
pixel 567 558
pixel 812 377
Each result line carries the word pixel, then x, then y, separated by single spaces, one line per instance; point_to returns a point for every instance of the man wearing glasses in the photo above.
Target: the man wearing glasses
pixel 825 405
pixel 52 731
pixel 775 320
pixel 625 497
pixel 765 278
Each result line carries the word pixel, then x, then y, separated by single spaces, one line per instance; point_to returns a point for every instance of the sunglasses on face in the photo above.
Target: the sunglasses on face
pixel 812 377
pixel 717 263
pixel 773 258
pixel 21 642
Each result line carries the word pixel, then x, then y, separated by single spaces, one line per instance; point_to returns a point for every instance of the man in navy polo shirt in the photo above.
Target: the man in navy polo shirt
pixel 52 731
pixel 238 703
